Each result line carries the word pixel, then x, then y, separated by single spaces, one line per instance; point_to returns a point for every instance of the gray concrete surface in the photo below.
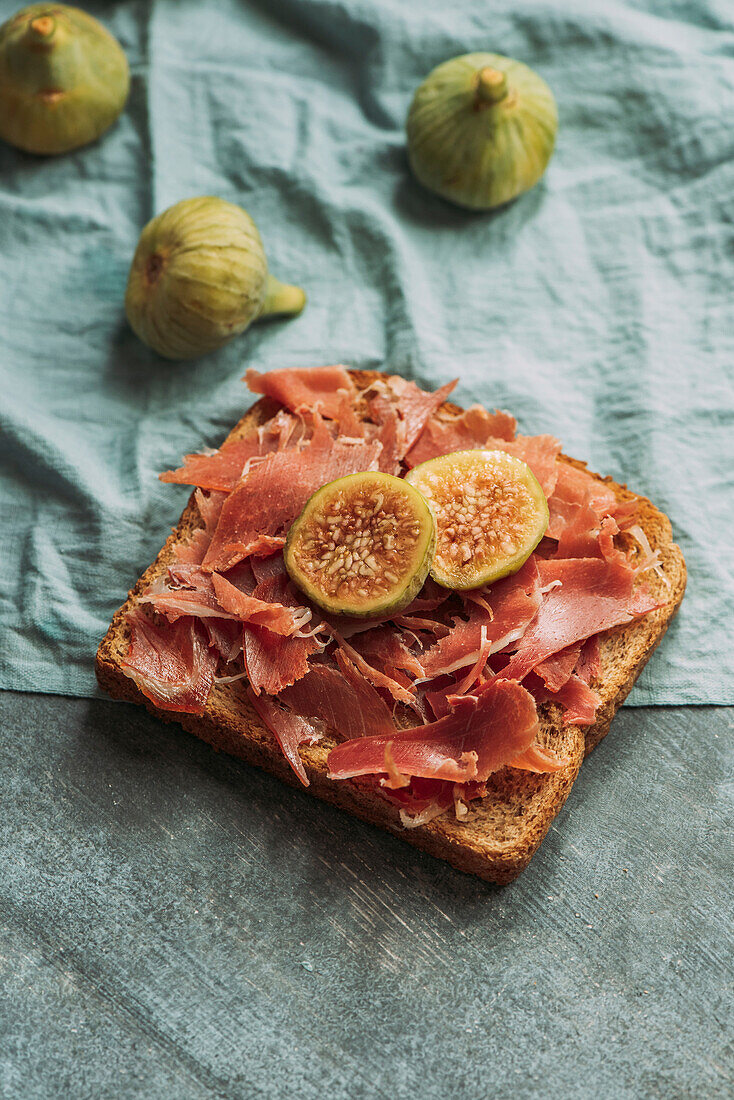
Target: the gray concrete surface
pixel 176 925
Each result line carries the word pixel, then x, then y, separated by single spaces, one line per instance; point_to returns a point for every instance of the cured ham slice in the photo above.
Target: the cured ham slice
pixel 585 536
pixel 605 542
pixel 415 405
pixel 348 423
pixel 472 430
pixel 541 454
pixel 221 470
pixel 193 551
pixel 290 730
pixel 421 624
pixel 439 692
pixel 180 602
pixel 480 735
pixel 267 568
pixel 273 662
pixel 276 617
pixel 422 800
pixel 193 592
pixel 348 704
pixel 577 504
pixel 579 701
pixel 225 636
pixel 513 603
pixel 171 664
pixel 589 663
pixel 554 671
pixel 303 388
pixel 346 652
pixel 275 492
pixel 390 433
pixel 188 592
pixel 476 672
pixel 383 647
pixel 593 595
pixel 210 508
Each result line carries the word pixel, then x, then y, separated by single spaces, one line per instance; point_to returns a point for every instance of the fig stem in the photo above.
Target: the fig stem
pixel 281 298
pixel 491 86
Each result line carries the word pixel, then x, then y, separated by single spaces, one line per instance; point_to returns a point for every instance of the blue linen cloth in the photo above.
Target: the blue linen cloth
pixel 597 307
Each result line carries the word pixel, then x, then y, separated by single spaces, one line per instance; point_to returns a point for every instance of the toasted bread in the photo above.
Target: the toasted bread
pixel 505 827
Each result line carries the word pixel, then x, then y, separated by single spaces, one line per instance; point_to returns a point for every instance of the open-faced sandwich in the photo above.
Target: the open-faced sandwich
pixel 419 614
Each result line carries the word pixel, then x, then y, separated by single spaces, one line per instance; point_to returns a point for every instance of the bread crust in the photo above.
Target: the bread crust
pixel 504 828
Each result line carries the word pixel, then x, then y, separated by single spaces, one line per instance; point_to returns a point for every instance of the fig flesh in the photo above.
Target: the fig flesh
pixel 490 514
pixel 362 546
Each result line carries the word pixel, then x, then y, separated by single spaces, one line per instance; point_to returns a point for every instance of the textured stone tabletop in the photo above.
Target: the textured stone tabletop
pixel 174 924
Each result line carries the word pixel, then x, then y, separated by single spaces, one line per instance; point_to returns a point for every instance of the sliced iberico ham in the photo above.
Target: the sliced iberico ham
pixel 390 431
pixel 480 735
pixel 303 388
pixel 225 635
pixel 341 698
pixel 346 652
pixel 221 470
pixel 577 506
pixel 503 615
pixel 554 671
pixel 471 430
pixel 348 423
pixel 210 508
pixel 276 617
pixel 290 730
pixel 592 595
pixel 384 648
pixel 171 663
pixel 415 405
pixel 267 568
pixel 273 662
pixel 211 596
pixel 193 551
pixel 589 662
pixel 578 700
pixel 188 591
pixel 275 491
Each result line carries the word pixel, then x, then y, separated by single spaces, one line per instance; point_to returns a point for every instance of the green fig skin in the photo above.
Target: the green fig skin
pixel 199 277
pixel 63 79
pixel 481 130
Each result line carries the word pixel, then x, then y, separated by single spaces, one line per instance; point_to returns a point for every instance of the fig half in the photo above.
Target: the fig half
pixel 362 546
pixel 490 514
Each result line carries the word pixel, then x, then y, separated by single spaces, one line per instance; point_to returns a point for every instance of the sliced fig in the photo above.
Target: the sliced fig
pixel 490 514
pixel 363 545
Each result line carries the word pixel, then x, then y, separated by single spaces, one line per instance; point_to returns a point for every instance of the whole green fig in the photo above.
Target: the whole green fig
pixel 63 79
pixel 481 130
pixel 199 277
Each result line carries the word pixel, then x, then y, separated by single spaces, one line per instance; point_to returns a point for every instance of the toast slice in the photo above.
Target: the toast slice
pixel 505 827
